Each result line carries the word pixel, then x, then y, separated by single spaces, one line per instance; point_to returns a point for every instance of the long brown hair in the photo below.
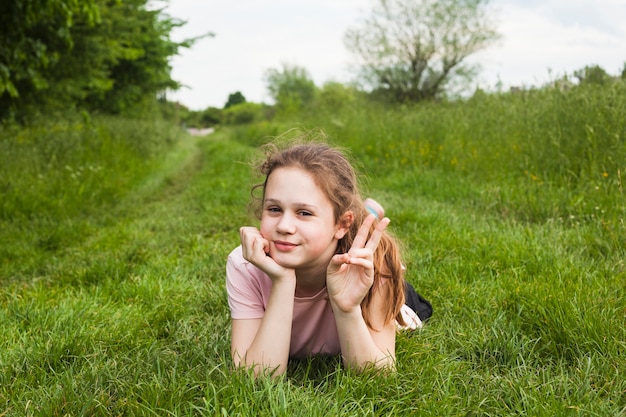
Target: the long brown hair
pixel 336 177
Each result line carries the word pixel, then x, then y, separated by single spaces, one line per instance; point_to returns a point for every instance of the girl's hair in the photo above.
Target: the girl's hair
pixel 335 176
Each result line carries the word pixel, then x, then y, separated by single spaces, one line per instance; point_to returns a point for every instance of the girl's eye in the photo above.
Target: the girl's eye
pixel 305 213
pixel 273 209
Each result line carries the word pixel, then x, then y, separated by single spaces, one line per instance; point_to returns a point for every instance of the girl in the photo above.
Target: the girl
pixel 321 275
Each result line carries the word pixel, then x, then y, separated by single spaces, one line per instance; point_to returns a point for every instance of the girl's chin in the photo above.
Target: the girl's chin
pixel 285 263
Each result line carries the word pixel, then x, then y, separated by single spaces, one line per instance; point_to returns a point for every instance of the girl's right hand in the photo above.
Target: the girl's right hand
pixel 255 249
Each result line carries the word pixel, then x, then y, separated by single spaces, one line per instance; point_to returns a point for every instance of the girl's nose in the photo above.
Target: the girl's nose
pixel 286 224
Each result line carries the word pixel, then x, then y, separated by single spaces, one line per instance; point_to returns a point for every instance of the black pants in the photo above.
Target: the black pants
pixel 419 304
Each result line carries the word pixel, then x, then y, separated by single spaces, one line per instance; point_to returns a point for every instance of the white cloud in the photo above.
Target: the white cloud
pixel 540 44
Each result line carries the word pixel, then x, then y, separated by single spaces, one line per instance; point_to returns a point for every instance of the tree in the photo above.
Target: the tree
pixel 333 96
pixel 36 35
pixel 414 50
pixel 592 74
pixel 98 54
pixel 139 67
pixel 243 113
pixel 234 99
pixel 291 88
pixel 211 116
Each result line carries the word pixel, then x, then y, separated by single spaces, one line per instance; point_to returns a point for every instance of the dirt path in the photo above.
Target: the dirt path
pixel 200 132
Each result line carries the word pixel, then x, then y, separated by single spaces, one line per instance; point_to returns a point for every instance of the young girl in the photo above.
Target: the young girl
pixel 321 276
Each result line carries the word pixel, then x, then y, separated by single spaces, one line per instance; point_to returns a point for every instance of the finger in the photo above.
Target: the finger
pixel 362 253
pixel 246 231
pixel 361 262
pixel 249 237
pixel 374 239
pixel 361 236
pixel 248 234
pixel 340 259
pixel 337 261
pixel 261 245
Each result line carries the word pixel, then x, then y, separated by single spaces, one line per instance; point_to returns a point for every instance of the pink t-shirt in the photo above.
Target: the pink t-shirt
pixel 313 330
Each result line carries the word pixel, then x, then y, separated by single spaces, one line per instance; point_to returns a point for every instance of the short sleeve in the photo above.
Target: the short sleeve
pixel 247 287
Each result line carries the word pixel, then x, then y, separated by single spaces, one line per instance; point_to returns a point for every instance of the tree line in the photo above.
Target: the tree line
pixel 113 56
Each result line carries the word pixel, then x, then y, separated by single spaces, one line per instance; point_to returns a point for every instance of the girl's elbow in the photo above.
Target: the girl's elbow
pixel 241 363
pixel 383 364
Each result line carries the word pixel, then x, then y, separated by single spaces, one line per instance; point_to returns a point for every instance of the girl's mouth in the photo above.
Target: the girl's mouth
pixel 284 246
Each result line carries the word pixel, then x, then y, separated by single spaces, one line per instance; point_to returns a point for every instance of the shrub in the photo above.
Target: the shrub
pixel 244 113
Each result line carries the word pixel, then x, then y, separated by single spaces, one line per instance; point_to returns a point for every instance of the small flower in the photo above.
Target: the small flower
pixel 605 174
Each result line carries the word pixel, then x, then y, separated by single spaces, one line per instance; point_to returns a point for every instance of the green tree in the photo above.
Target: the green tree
pixel 243 113
pixel 291 87
pixel 211 116
pixel 234 99
pixel 140 67
pixel 592 74
pixel 414 50
pixel 36 36
pixel 100 54
pixel 333 96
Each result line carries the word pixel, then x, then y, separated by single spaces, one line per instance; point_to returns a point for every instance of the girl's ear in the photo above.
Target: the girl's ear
pixel 344 224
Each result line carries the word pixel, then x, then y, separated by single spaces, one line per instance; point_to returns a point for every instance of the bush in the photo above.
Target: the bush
pixel 244 113
pixel 334 95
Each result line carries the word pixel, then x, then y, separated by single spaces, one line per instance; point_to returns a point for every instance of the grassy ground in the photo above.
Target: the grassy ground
pixel 113 301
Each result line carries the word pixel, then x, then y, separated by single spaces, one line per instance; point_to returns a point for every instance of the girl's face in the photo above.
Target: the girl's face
pixel 298 221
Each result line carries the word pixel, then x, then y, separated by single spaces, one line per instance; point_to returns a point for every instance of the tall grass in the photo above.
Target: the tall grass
pixel 60 179
pixel 494 200
pixel 533 156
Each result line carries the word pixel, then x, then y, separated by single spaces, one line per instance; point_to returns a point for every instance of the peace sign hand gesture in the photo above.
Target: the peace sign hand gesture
pixel 350 276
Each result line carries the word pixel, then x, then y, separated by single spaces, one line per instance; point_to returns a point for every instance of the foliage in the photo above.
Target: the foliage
pixel 291 87
pixel 415 50
pixel 592 74
pixel 244 113
pixel 171 111
pixel 211 116
pixel 234 99
pixel 140 68
pixel 36 36
pixel 101 55
pixel 334 95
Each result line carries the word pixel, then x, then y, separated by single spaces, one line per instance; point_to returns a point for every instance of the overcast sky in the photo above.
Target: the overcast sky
pixel 541 39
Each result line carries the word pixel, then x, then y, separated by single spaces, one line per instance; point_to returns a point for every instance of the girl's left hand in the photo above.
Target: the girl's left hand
pixel 350 275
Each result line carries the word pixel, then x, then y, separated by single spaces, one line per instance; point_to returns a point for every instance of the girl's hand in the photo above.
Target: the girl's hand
pixel 255 249
pixel 350 275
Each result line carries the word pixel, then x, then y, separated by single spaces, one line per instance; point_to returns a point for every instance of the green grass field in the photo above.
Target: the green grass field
pixel 510 207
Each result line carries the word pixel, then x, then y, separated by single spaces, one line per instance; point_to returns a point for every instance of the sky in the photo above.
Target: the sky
pixel 540 41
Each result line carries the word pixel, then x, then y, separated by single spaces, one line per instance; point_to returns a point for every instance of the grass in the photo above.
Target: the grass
pixel 113 299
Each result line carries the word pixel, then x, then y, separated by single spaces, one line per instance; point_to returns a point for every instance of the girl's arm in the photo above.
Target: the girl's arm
pixel 263 344
pixel 362 346
pixel 350 277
